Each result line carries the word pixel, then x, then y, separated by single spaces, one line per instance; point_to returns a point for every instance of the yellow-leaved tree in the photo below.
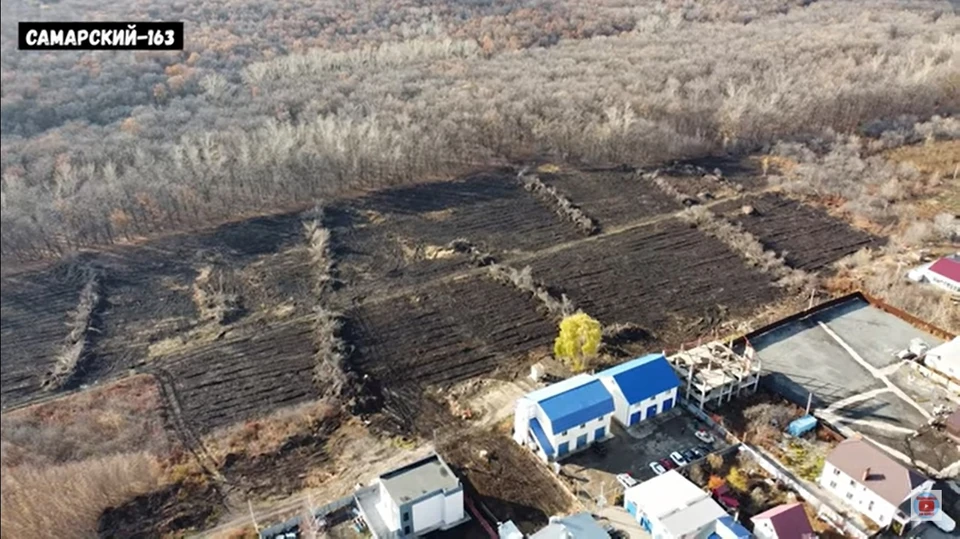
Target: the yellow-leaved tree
pixel 578 341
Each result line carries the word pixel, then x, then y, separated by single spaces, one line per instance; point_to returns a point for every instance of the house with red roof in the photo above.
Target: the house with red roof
pixel 944 273
pixel 787 521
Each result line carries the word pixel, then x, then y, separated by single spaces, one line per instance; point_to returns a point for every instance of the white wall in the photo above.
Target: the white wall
pixel 453 507
pixel 620 407
pixel 524 411
pixel 428 513
pixel 389 511
pixel 570 436
pixel 657 400
pixel 764 529
pixel 856 495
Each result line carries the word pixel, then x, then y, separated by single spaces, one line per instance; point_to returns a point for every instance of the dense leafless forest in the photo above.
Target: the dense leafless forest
pixel 271 105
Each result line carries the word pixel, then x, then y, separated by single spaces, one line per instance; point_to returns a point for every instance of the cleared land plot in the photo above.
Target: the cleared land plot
pixel 613 198
pixel 447 332
pixel 246 374
pixel 802 357
pixel 657 276
pixel 33 325
pixel 808 237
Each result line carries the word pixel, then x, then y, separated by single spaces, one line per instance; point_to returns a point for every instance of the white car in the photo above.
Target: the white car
pixel 657 468
pixel 678 458
pixel 704 436
pixel 626 480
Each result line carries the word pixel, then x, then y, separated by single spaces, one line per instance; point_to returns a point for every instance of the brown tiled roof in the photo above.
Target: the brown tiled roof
pixel 888 478
pixel 953 422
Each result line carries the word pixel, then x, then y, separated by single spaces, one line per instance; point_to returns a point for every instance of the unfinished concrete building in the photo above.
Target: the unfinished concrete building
pixel 714 372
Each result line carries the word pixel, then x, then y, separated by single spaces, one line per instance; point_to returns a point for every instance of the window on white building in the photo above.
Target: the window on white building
pixel 583 425
pixel 853 483
pixel 870 506
pixel 833 484
pixel 836 471
pixel 849 495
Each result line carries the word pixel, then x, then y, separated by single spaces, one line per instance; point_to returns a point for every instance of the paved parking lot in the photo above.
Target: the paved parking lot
pixel 630 451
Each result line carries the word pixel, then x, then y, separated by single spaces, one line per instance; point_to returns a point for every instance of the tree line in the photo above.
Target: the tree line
pixel 271 131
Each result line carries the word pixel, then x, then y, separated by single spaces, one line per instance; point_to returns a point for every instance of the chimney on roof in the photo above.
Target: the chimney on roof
pixel 866 473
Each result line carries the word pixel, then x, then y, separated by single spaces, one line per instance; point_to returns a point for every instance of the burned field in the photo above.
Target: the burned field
pixel 661 277
pixel 248 373
pixel 448 332
pixel 35 308
pixel 613 198
pixel 807 237
pixel 225 319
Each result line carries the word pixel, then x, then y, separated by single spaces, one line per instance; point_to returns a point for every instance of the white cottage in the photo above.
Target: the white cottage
pixel 641 388
pixel 564 417
pixel 414 500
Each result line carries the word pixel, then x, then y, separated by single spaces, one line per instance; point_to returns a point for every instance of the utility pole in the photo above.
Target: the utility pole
pixel 253 517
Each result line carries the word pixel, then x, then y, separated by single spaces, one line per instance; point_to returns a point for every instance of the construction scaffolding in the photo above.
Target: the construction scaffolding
pixel 714 372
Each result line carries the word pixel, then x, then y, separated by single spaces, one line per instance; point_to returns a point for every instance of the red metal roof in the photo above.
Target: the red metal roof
pixel 947 267
pixel 789 520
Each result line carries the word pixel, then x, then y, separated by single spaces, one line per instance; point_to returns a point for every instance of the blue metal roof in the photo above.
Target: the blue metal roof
pixel 643 377
pixel 541 436
pixel 734 530
pixel 586 401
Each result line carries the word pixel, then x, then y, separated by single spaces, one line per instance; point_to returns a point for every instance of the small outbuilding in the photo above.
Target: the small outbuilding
pixel 945 358
pixel 641 388
pixel 944 273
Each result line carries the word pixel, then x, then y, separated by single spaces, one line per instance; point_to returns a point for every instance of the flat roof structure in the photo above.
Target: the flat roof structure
pixel 679 505
pixel 419 478
pixel 845 355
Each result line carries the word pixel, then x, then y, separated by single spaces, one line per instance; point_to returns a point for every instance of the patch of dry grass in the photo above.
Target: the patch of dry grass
pixel 120 417
pixel 66 501
pixel 267 434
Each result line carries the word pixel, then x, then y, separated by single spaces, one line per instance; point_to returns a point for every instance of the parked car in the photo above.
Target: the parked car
pixel 725 497
pixel 626 480
pixel 704 436
pixel 705 450
pixel 667 464
pixel 657 468
pixel 690 455
pixel 697 452
pixel 678 458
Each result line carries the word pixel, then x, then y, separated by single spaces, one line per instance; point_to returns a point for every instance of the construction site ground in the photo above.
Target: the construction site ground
pixel 845 356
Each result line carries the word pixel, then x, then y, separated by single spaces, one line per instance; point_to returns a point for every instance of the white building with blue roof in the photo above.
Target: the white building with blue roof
pixel 641 388
pixel 564 417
